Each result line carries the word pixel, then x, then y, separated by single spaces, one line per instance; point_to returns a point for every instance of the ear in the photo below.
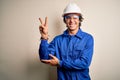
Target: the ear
pixel 80 24
pixel 64 19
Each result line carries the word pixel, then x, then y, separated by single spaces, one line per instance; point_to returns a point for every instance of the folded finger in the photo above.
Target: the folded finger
pixel 48 61
pixel 40 28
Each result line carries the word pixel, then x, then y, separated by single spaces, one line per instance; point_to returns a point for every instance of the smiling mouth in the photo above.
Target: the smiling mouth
pixel 72 24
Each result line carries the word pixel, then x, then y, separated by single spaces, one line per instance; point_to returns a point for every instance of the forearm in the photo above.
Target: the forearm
pixel 43 50
pixel 74 65
pixel 81 63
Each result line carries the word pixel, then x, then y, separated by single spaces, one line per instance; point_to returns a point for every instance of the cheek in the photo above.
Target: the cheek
pixel 76 22
pixel 67 23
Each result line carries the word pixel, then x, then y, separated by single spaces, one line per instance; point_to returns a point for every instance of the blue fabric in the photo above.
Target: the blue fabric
pixel 74 53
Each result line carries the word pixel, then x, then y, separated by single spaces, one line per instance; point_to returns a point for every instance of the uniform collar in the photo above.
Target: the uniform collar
pixel 79 34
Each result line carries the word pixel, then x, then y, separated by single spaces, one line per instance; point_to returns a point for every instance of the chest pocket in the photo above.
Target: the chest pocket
pixel 79 47
pixel 77 52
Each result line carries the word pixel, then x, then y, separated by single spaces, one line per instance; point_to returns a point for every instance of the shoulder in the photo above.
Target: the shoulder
pixel 87 35
pixel 58 37
pixel 88 38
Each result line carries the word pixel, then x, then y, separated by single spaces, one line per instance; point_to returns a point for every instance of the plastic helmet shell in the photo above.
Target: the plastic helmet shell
pixel 71 8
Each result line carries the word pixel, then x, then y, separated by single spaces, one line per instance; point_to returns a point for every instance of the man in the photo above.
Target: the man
pixel 71 52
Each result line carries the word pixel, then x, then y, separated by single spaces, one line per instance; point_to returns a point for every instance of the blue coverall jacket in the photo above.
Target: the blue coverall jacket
pixel 74 53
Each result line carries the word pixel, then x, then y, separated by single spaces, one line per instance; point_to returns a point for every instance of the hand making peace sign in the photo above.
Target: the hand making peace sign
pixel 43 28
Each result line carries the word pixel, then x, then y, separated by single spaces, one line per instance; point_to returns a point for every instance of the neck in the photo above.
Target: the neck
pixel 73 32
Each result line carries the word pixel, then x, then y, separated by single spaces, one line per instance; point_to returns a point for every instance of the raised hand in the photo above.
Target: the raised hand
pixel 43 28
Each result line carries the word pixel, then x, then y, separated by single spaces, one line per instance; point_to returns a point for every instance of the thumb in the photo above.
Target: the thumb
pixel 53 57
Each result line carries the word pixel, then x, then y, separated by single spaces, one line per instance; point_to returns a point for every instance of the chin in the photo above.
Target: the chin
pixel 71 29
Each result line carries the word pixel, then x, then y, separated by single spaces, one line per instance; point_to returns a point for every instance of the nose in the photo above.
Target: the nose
pixel 71 20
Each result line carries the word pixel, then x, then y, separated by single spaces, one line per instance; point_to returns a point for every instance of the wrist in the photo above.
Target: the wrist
pixel 44 38
pixel 58 65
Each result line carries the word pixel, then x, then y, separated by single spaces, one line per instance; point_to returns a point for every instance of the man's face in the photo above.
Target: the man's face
pixel 72 21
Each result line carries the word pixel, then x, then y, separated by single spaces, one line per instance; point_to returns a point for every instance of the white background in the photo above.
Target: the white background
pixel 20 38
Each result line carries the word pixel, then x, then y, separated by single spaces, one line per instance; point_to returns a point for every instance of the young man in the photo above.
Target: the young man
pixel 71 52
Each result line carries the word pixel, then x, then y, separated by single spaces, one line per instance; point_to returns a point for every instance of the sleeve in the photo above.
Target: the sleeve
pixel 45 49
pixel 83 62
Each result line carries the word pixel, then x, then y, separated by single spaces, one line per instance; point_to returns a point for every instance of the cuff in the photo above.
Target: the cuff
pixel 60 63
pixel 44 42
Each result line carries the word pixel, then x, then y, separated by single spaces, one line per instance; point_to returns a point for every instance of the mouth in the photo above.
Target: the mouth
pixel 72 25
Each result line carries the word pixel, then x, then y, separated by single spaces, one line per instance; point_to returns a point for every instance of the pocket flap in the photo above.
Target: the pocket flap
pixel 79 47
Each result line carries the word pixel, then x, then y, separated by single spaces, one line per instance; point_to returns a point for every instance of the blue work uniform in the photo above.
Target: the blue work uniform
pixel 74 53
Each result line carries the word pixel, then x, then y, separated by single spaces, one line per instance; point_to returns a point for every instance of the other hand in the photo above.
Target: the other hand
pixel 54 61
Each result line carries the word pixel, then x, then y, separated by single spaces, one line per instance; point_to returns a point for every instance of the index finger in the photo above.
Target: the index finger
pixel 40 20
pixel 46 61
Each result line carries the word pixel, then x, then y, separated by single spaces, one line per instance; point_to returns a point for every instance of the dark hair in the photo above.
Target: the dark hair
pixel 80 18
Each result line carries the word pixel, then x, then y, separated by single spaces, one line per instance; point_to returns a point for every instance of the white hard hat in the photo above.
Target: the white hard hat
pixel 71 8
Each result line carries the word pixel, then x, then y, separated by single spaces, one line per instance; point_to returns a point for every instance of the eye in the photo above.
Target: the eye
pixel 67 17
pixel 75 17
pixel 71 16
